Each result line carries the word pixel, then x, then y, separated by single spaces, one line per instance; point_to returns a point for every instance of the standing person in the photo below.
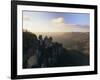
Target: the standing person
pixel 50 51
pixel 41 48
pixel 46 44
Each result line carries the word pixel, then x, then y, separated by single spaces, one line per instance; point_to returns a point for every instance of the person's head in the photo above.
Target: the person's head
pixel 46 38
pixel 50 39
pixel 40 37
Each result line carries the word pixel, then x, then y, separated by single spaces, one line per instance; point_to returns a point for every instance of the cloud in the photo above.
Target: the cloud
pixel 59 25
pixel 58 20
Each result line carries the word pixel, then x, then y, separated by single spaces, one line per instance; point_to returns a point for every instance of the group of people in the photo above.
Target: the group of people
pixel 46 51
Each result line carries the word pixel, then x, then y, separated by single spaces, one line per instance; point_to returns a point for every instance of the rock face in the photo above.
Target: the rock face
pixel 59 56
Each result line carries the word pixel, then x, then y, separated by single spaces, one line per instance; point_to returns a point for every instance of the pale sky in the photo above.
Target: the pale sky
pixel 55 21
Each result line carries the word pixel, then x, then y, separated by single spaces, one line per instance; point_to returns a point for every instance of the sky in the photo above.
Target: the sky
pixel 55 21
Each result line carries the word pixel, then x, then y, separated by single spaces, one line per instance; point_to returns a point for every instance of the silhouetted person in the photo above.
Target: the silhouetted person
pixel 40 50
pixel 48 49
pixel 44 52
